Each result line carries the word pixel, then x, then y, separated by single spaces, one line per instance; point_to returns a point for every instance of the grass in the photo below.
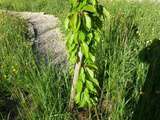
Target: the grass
pixel 57 7
pixel 42 92
pixel 133 27
pixel 38 92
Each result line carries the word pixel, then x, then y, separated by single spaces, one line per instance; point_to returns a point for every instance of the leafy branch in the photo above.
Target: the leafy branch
pixel 84 24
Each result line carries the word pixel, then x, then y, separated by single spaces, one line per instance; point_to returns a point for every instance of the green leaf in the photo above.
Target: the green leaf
pixel 73 2
pixel 91 87
pixel 95 81
pixel 89 8
pixel 92 78
pixel 81 5
pixel 72 58
pixel 78 22
pixel 88 21
pixel 90 72
pixel 78 98
pixel 82 75
pixel 92 57
pixel 93 102
pixel 89 38
pixel 79 86
pixel 93 2
pixel 73 21
pixel 97 36
pixel 87 97
pixel 85 49
pixel 82 36
pixel 90 35
pixel 92 66
pixel 72 48
pixel 85 101
pixel 95 98
pixel 70 39
pixel 76 37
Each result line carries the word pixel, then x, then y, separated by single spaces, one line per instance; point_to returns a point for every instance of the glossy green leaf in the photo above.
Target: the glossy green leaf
pixel 91 87
pixel 78 22
pixel 97 36
pixel 89 8
pixel 93 2
pixel 70 39
pixel 92 66
pixel 73 57
pixel 93 102
pixel 83 102
pixel 92 57
pixel 90 35
pixel 89 38
pixel 90 72
pixel 82 75
pixel 87 97
pixel 72 49
pixel 78 98
pixel 95 81
pixel 88 21
pixel 82 36
pixel 81 5
pixel 76 34
pixel 85 49
pixel 73 21
pixel 73 3
pixel 79 85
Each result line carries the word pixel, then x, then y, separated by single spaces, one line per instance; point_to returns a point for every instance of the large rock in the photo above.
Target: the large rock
pixel 45 34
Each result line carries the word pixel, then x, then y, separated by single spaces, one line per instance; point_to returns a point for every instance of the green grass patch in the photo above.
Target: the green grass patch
pixel 57 7
pixel 133 27
pixel 42 92
pixel 28 91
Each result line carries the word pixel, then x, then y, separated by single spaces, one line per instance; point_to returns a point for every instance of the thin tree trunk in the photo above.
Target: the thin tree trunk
pixel 75 80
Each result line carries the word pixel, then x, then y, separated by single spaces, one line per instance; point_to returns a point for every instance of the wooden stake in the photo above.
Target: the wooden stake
pixel 75 80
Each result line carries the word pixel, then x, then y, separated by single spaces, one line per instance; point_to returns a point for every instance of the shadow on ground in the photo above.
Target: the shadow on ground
pixel 148 107
pixel 8 105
